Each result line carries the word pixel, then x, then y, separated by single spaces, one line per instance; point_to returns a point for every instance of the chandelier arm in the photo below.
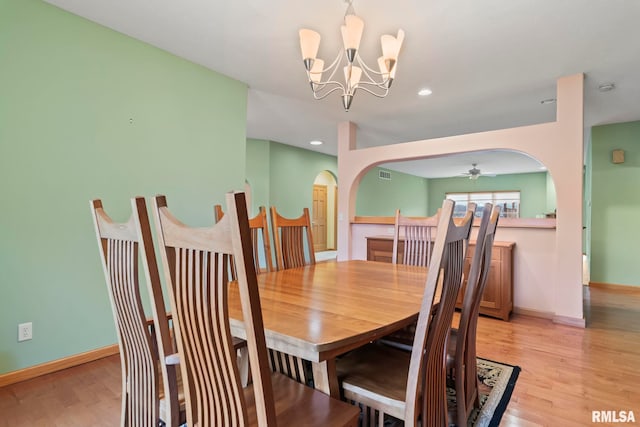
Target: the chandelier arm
pixel 333 67
pixel 335 62
pixel 318 87
pixel 333 73
pixel 372 92
pixel 322 96
pixel 366 70
pixel 366 67
pixel 372 81
pixel 374 84
pixel 321 84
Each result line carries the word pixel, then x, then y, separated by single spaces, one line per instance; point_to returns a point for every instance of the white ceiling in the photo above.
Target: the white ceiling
pixel 489 64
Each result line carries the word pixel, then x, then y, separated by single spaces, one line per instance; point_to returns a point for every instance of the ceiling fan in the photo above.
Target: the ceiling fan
pixel 475 173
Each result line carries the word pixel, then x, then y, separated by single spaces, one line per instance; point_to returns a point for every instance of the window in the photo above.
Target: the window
pixel 509 201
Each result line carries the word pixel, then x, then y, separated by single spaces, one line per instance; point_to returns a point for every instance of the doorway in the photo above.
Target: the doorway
pixel 323 212
pixel 319 218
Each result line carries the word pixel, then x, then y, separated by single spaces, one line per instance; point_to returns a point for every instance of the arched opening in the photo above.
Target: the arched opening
pixel 557 252
pixel 519 183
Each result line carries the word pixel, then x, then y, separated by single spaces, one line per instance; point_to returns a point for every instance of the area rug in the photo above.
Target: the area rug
pixel 497 381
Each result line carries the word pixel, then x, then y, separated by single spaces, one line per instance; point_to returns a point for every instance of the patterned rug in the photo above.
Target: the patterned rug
pixel 497 381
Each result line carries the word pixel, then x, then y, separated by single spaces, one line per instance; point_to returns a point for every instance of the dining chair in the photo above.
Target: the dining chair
pixel 461 358
pixel 289 235
pixel 412 386
pixel 150 384
pixel 259 227
pixel 417 237
pixel 196 262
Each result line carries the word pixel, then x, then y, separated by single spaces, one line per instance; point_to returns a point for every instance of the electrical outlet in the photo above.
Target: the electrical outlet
pixel 25 331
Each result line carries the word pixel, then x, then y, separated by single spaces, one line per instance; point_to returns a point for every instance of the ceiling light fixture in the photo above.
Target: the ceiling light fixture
pixel 357 75
pixel 425 92
pixel 316 142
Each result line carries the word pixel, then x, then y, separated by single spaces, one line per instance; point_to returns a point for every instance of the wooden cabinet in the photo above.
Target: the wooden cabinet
pixel 497 299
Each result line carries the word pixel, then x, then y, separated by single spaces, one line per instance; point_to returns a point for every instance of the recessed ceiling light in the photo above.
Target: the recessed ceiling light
pixel 543 168
pixel 606 87
pixel 548 101
pixel 316 142
pixel 424 92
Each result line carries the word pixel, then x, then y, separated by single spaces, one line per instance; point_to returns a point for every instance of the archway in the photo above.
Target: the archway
pixel 559 145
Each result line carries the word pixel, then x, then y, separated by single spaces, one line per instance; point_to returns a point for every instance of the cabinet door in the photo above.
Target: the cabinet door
pixel 492 296
pixel 382 249
pixel 381 255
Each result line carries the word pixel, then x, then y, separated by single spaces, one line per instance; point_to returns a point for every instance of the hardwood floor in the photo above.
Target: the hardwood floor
pixel 566 372
pixel 82 396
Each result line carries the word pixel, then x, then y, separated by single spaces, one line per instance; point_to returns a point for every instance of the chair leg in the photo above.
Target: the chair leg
pixel 461 397
pixel 243 366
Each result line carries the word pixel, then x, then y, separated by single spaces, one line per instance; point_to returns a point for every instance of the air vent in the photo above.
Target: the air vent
pixel 384 175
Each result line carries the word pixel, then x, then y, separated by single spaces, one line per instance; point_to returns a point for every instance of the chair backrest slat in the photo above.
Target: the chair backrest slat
pixel 417 234
pixel 289 235
pixel 427 376
pixel 197 263
pixel 259 233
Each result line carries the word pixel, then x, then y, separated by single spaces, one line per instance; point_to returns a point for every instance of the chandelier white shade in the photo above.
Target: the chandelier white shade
pixel 357 75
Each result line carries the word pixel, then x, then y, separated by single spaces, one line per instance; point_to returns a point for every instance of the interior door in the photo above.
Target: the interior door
pixel 319 218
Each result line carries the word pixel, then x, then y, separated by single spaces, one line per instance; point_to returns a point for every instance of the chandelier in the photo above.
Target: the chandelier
pixel 357 75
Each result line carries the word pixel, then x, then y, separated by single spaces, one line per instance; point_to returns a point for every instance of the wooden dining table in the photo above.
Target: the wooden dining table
pixel 321 311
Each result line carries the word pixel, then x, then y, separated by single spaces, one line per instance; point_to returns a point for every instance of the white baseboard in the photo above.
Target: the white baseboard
pixel 561 320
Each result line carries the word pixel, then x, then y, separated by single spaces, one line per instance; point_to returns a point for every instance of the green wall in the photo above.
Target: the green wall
pixel 286 181
pixel 551 194
pixel 532 187
pixel 86 112
pixel 379 197
pixel 258 173
pixel 292 172
pixel 615 204
pixel 586 199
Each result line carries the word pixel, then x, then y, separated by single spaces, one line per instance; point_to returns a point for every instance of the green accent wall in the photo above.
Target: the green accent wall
pixel 258 173
pixel 551 195
pixel 86 112
pixel 615 204
pixel 532 187
pixel 586 199
pixel 379 197
pixel 283 176
pixel 292 172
